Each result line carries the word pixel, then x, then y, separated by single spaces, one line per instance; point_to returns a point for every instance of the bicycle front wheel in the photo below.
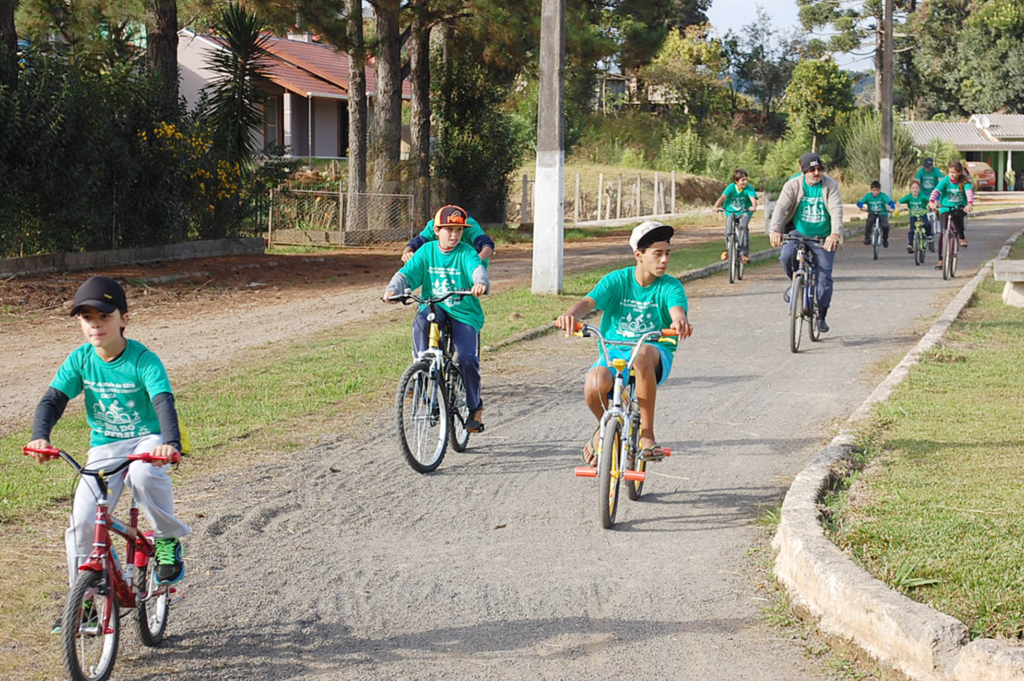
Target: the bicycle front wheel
pixel 919 246
pixel 730 247
pixel 87 650
pixel 421 417
pixel 458 410
pixel 634 488
pixel 796 312
pixel 947 255
pixel 609 474
pixel 876 241
pixel 151 614
pixel 954 257
pixel 811 309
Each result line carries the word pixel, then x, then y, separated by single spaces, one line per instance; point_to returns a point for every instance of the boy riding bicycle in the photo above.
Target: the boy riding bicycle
pixel 917 205
pixel 635 300
pixel 740 202
pixel 130 409
pixel 878 204
pixel 449 264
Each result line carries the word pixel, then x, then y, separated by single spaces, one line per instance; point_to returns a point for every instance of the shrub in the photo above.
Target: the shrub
pixel 861 138
pixel 684 151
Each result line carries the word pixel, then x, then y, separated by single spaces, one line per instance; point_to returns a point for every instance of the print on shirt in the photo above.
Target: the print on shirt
pixel 114 420
pixel 812 210
pixel 632 326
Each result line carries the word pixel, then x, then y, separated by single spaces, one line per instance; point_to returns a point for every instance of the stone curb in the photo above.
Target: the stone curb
pixel 850 605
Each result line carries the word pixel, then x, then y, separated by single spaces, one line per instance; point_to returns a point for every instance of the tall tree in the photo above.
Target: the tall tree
pixel 687 73
pixel 386 136
pixel 419 72
pixel 992 66
pixel 162 50
pixel 8 44
pixel 817 94
pixel 937 25
pixel 761 61
pixel 357 113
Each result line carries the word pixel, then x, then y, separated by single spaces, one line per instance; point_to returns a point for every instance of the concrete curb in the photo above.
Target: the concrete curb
pixel 847 603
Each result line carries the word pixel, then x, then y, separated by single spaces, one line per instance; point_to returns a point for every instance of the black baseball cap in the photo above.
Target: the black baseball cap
pixel 450 216
pixel 809 161
pixel 929 162
pixel 102 293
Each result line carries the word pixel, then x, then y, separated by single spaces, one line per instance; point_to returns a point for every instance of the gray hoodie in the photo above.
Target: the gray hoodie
pixel 793 192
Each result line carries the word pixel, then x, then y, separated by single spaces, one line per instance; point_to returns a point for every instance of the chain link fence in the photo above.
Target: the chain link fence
pixel 303 217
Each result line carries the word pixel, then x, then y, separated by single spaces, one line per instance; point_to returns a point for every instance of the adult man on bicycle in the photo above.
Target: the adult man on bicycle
pixel 811 205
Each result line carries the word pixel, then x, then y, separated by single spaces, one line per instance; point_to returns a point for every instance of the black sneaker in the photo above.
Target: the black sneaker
pixel 822 325
pixel 785 295
pixel 169 566
pixel 885 243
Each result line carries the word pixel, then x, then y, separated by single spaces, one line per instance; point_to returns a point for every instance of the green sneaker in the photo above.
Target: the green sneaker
pixel 90 618
pixel 169 566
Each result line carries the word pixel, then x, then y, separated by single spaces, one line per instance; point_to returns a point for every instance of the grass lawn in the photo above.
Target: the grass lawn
pixel 936 510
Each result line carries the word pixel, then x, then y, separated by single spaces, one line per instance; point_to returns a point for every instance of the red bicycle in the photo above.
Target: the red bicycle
pixel 91 623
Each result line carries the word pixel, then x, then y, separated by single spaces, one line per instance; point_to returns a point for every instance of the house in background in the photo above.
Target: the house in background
pixel 997 139
pixel 306 105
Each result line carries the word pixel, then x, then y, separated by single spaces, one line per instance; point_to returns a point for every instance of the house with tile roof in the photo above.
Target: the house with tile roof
pixel 997 139
pixel 306 104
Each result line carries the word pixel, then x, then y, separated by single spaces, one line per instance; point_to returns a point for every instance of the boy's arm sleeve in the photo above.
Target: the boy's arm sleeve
pixel 167 415
pixel 416 242
pixel 48 412
pixel 480 277
pixel 482 241
pixel 398 283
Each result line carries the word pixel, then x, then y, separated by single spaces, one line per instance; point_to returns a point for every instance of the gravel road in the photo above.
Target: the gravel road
pixel 340 562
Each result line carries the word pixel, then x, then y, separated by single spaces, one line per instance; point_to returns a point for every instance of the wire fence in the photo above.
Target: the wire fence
pixel 304 217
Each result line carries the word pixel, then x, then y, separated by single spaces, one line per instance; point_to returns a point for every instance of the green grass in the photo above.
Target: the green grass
pixel 936 511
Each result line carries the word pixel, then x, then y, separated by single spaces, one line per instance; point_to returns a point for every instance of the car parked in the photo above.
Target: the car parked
pixel 982 175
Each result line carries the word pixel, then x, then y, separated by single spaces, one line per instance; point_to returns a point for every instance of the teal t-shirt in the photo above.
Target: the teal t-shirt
pixel 812 217
pixel 876 204
pixel 631 310
pixel 917 206
pixel 119 394
pixel 929 180
pixel 438 272
pixel 737 201
pixel 952 195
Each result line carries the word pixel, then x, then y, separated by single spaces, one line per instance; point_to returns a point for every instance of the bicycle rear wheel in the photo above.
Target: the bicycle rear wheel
pixel 151 615
pixel 88 652
pixel 458 410
pixel 876 240
pixel 609 474
pixel 796 311
pixel 634 488
pixel 421 417
pixel 730 247
pixel 955 257
pixel 811 308
pixel 947 254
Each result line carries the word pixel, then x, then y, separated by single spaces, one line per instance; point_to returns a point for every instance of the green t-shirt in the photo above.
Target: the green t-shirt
pixel 812 217
pixel 929 180
pixel 737 201
pixel 119 394
pixel 876 204
pixel 631 310
pixel 952 195
pixel 917 206
pixel 438 272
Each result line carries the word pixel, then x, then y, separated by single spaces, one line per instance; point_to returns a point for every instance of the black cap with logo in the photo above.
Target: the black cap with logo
pixel 810 161
pixel 102 293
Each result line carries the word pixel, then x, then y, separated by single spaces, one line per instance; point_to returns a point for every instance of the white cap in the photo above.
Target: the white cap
pixel 645 228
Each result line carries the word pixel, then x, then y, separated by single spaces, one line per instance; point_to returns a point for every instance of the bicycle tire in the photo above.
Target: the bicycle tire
pixel 955 258
pixel 919 246
pixel 609 474
pixel 947 254
pixel 458 410
pixel 876 240
pixel 420 408
pixel 79 629
pixel 730 247
pixel 739 267
pixel 813 330
pixel 151 616
pixel 796 311
pixel 635 488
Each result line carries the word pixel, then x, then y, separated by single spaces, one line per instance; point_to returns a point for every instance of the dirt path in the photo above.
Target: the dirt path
pixel 196 314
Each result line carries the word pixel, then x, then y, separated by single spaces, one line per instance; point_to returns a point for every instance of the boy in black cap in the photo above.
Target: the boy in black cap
pixel 130 409
pixel 635 301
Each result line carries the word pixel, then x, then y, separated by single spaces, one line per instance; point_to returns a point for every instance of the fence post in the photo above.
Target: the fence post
pixel 522 212
pixel 673 192
pixel 638 194
pixel 600 193
pixel 576 202
pixel 657 194
pixel 618 199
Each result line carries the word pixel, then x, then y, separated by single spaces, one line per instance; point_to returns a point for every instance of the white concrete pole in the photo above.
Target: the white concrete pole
pixel 288 124
pixel 673 192
pixel 549 187
pixel 885 164
pixel 524 215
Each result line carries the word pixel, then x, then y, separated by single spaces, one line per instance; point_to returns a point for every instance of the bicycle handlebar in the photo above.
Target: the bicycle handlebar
pixel 405 297
pixel 53 453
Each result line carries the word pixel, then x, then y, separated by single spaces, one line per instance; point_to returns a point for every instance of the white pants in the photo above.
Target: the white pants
pixel 150 485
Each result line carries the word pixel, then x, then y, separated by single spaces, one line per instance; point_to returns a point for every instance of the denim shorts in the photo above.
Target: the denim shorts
pixel 622 352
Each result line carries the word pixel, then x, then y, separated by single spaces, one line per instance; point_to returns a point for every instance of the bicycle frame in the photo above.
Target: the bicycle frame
pixel 805 266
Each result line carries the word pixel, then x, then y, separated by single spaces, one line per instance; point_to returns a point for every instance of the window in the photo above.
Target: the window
pixel 272 122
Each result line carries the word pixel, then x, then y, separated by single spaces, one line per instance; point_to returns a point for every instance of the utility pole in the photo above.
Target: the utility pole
pixel 549 190
pixel 885 162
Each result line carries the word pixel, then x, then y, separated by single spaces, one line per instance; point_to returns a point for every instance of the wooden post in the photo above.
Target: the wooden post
pixel 657 195
pixel 576 203
pixel 270 221
pixel 673 192
pixel 526 197
pixel 618 199
pixel 600 192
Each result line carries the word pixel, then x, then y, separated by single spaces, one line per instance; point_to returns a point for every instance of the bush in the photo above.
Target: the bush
pixel 783 160
pixel 684 151
pixel 860 136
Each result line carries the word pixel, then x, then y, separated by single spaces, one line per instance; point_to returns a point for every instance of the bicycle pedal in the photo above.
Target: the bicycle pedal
pixel 585 472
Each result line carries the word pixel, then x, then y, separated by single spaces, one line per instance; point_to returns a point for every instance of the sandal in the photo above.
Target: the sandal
pixel 654 453
pixel 592 444
pixel 963 243
pixel 939 266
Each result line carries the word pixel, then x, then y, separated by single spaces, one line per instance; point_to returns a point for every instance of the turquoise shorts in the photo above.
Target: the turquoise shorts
pixel 622 352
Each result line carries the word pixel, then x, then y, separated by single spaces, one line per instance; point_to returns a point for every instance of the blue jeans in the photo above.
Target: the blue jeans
pixel 465 337
pixel 823 261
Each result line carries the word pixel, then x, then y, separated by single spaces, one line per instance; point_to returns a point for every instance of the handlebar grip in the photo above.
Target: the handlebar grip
pixel 669 332
pixel 149 458
pixel 50 452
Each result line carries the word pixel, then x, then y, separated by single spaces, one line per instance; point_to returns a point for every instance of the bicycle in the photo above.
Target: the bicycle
pixel 732 248
pixel 803 303
pixel 432 394
pixel 921 242
pixel 933 217
pixel 951 244
pixel 876 237
pixel 91 621
pixel 620 456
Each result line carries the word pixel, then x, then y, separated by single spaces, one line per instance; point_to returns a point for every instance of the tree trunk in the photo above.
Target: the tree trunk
pixel 8 44
pixel 879 75
pixel 385 143
pixel 419 59
pixel 162 51
pixel 357 114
